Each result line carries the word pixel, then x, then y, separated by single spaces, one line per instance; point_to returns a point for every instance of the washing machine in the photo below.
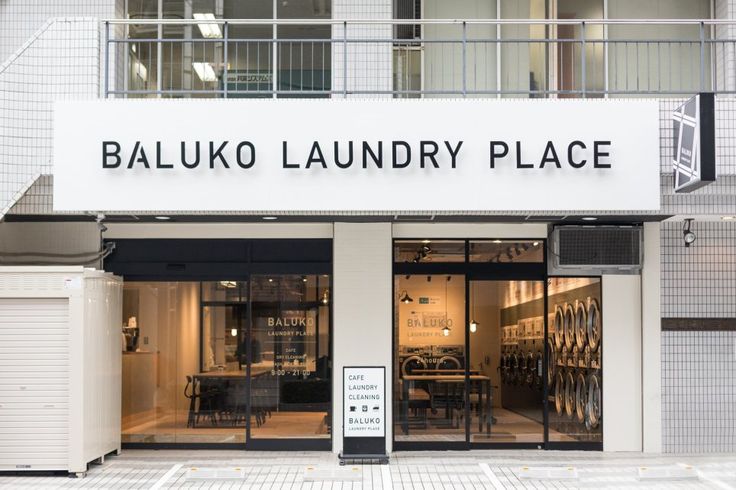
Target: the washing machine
pixel 448 356
pixel 414 357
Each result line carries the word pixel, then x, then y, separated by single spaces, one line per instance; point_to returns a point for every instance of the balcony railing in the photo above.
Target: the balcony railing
pixel 418 58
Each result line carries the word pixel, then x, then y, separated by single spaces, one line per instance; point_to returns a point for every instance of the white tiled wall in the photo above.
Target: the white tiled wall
pixel 698 391
pixel 368 64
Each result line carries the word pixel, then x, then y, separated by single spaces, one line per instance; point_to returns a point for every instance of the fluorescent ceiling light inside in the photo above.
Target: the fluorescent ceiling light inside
pixel 140 70
pixel 209 30
pixel 205 72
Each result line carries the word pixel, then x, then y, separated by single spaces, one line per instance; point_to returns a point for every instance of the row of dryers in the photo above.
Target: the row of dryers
pixel 577 396
pixel 441 357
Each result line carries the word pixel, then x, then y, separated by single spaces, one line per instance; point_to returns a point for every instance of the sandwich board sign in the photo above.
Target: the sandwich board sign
pixel 364 413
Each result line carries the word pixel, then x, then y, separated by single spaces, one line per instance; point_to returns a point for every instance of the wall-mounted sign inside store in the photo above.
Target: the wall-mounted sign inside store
pixel 356 155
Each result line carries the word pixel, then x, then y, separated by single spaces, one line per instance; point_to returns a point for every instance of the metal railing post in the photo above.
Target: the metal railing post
pixel 465 66
pixel 582 61
pixel 224 61
pixel 702 56
pixel 345 59
pixel 107 59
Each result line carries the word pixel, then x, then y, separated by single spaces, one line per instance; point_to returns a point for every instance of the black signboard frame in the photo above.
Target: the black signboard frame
pixel 364 448
pixel 694 141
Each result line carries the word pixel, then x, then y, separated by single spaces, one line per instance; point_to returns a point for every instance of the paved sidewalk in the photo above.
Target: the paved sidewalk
pixel 407 470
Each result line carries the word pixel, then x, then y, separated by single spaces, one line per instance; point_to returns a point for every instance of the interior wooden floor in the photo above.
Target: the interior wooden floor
pixel 172 428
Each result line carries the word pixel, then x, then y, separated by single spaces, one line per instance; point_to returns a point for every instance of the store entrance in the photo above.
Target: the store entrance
pixel 490 351
pixel 227 353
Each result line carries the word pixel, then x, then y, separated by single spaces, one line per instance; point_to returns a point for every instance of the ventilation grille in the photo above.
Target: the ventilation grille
pixel 600 247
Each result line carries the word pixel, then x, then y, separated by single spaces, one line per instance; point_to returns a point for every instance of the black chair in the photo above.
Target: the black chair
pixel 199 401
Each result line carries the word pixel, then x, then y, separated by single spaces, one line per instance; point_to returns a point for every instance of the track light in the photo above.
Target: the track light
pixel 688 235
pixel 446 331
pixel 405 298
pixel 234 332
pixel 473 326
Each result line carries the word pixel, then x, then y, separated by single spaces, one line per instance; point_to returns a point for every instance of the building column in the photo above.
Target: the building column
pixel 651 337
pixel 362 303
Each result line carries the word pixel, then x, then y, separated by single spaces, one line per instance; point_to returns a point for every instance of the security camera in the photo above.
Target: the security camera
pixel 687 234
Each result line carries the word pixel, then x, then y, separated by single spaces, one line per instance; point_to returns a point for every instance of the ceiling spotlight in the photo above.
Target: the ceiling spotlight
pixel 473 326
pixel 270 218
pixel 405 298
pixel 234 332
pixel 687 235
pixel 162 218
pixel 429 278
pixel 304 278
pixel 449 278
pixel 446 331
pixel 589 218
pixel 536 244
pixel 270 279
pixel 426 241
pixel 325 297
pixel 497 241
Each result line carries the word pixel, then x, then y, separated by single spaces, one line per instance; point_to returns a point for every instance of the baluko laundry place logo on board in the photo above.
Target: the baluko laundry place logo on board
pixel 382 155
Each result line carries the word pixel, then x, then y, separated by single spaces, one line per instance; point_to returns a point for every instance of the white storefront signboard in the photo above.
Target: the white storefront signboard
pixel 356 155
pixel 364 404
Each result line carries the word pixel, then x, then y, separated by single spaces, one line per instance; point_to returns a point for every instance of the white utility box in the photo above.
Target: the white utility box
pixel 60 367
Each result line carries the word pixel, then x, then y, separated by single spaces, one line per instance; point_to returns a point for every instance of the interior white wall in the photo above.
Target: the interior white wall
pixel 362 311
pixel 622 363
pixel 651 340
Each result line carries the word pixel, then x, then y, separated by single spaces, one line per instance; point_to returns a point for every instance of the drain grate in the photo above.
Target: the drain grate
pixel 234 473
pixel 547 473
pixel 678 472
pixel 331 473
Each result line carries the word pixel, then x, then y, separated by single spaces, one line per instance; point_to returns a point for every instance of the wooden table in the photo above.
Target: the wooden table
pixel 443 371
pixel 484 382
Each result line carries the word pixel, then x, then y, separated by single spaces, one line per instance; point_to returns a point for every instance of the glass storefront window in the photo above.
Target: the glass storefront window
pixel 506 251
pixel 219 361
pixel 429 386
pixel 425 251
pixel 507 346
pixel 290 375
pixel 574 352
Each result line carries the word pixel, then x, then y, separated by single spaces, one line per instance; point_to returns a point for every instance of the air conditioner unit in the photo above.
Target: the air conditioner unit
pixel 597 248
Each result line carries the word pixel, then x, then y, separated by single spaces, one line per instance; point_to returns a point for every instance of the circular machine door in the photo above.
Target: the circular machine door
pixel 515 373
pixel 593 325
pixel 559 327
pixel 581 397
pixel 569 394
pixel 593 403
pixel 531 368
pixel 559 392
pixel 502 368
pixel 551 362
pixel 411 363
pixel 448 362
pixel 538 363
pixel 569 326
pixel 581 325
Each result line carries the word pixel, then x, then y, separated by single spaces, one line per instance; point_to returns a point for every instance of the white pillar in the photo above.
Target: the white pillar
pixel 362 331
pixel 622 401
pixel 651 337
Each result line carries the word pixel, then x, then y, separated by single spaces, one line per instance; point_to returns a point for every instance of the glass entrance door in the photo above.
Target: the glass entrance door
pixel 506 359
